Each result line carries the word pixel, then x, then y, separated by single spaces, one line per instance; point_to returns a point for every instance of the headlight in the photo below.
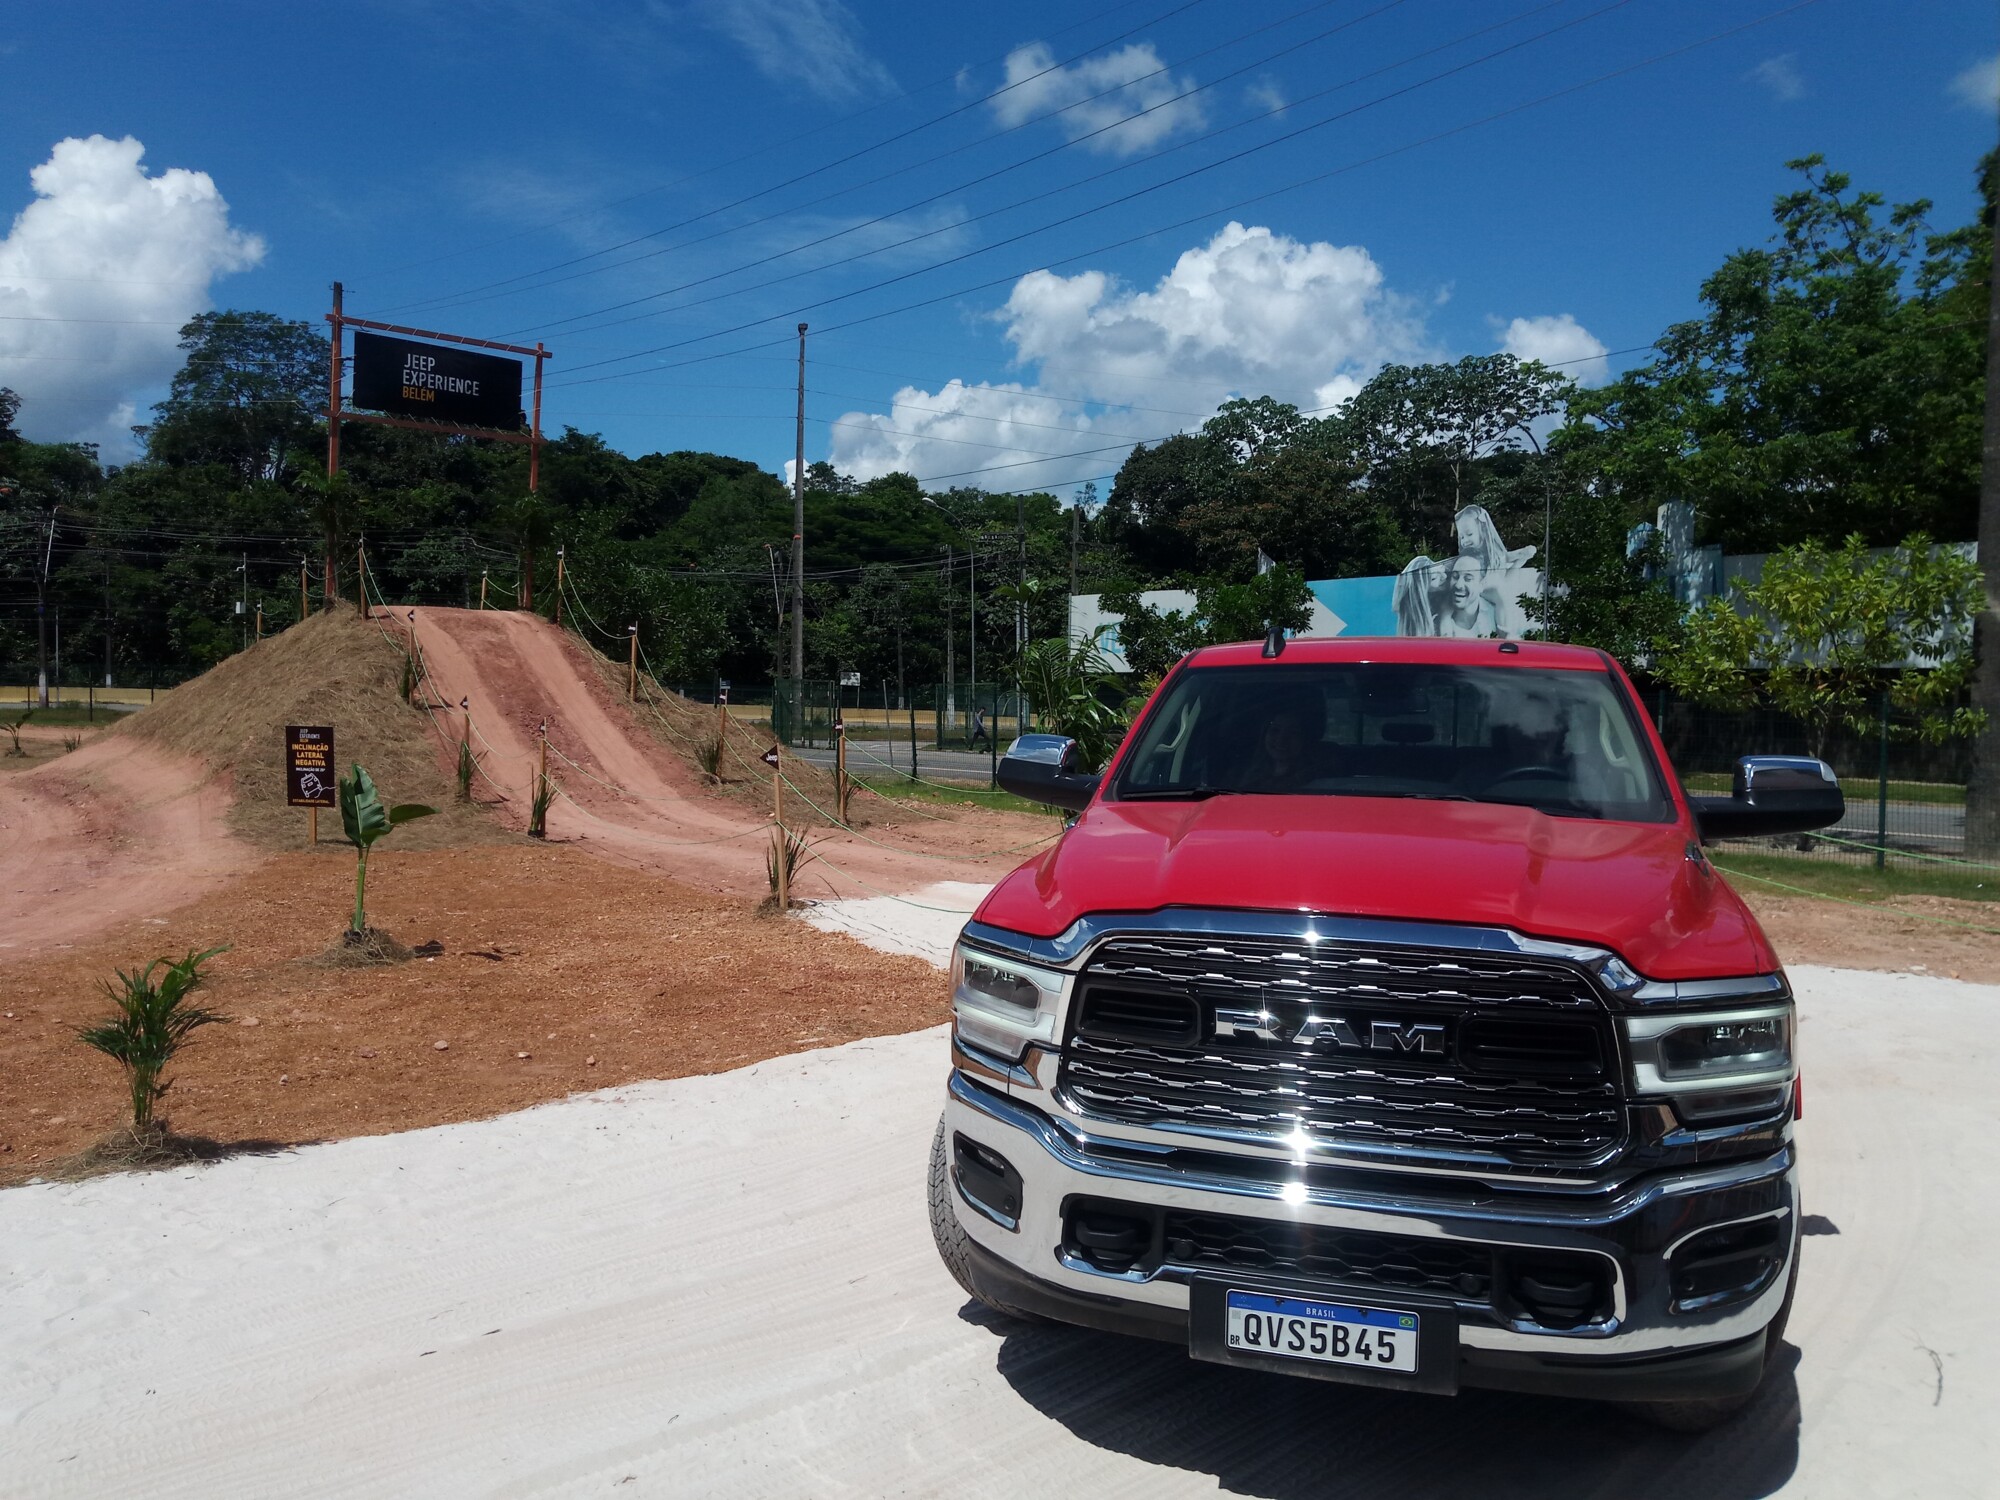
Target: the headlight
pixel 1715 1064
pixel 1000 1005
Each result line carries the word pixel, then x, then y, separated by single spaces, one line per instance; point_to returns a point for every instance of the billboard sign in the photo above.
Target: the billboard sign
pixel 309 775
pixel 436 382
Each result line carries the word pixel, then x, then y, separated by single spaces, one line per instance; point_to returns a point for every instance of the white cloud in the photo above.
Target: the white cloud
pixel 816 43
pixel 1559 341
pixel 960 427
pixel 1780 75
pixel 97 275
pixel 1267 94
pixel 1249 313
pixel 1979 85
pixel 1127 89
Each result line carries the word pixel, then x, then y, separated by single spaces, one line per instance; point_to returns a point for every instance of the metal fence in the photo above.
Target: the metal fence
pixel 1904 797
pixel 936 716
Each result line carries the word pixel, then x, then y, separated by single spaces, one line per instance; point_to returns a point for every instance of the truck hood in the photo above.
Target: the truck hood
pixel 1630 887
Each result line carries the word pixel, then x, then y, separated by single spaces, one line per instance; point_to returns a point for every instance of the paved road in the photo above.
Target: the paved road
pixel 882 757
pixel 1928 826
pixel 725 1286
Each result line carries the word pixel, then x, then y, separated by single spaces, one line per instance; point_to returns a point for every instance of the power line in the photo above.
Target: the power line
pixel 960 187
pixel 1037 197
pixel 1205 215
pixel 836 162
pixel 1098 208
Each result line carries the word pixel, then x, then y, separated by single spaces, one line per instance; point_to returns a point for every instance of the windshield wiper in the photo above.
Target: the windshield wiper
pixel 1426 796
pixel 1175 793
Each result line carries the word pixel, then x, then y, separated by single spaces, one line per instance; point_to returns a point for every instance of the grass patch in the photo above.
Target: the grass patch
pixel 902 789
pixel 1857 790
pixel 1859 882
pixel 67 716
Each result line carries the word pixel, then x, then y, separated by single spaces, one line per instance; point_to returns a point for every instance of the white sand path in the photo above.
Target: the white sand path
pixel 725 1286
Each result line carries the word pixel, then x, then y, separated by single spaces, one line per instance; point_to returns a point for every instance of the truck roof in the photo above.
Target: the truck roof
pixel 1419 649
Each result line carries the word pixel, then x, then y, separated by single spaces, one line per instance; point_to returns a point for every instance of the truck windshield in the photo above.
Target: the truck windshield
pixel 1563 742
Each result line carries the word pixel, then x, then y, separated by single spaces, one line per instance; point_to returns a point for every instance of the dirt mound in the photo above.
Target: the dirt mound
pixel 689 729
pixel 336 669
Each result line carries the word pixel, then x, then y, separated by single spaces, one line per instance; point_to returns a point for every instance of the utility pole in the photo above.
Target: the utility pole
pixel 950 665
pixel 1982 791
pixel 107 619
pixel 333 431
pixel 1075 532
pixel 799 535
pixel 42 615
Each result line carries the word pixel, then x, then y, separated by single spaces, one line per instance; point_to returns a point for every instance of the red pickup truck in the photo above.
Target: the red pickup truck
pixel 1379 1018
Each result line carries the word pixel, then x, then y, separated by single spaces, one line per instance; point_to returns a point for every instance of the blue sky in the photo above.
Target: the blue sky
pixel 465 166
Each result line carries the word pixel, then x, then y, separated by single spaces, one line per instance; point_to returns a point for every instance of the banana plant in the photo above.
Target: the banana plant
pixel 365 819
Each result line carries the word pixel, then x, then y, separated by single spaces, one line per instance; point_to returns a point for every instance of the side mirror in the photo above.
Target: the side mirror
pixel 1038 767
pixel 1772 794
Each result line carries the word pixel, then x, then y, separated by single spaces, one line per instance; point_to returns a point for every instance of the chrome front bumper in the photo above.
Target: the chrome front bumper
pixel 1634 1226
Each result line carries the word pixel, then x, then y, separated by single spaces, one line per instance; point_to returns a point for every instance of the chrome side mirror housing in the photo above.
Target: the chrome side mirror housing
pixel 1041 768
pixel 1772 794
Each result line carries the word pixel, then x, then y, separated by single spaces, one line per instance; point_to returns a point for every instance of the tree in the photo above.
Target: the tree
pixel 10 408
pixel 1609 596
pixel 1825 635
pixel 1152 640
pixel 1419 430
pixel 1832 385
pixel 247 397
pixel 1072 688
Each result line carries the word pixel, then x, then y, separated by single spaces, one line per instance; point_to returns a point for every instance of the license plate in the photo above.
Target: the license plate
pixel 1334 1333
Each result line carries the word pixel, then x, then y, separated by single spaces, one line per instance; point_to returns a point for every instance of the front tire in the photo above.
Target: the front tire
pixel 1706 1416
pixel 954 1246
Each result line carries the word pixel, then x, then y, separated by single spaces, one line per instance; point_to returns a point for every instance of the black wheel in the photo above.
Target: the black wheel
pixel 1706 1416
pixel 954 1248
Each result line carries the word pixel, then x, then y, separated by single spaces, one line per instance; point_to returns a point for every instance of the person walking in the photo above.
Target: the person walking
pixel 978 730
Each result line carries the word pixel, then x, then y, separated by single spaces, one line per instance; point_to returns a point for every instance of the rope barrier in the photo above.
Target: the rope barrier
pixel 1873 906
pixel 1936 859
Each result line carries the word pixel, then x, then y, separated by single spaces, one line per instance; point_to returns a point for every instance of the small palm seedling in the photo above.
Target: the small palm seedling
pixel 152 1020
pixel 13 728
pixel 365 820
pixel 708 755
pixel 72 742
pixel 538 810
pixel 466 766
pixel 793 850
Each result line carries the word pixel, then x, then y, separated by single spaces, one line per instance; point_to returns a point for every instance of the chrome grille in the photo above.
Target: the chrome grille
pixel 1526 1073
pixel 1447 1268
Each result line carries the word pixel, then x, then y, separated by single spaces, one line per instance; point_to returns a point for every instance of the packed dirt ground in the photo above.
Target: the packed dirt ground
pixel 559 972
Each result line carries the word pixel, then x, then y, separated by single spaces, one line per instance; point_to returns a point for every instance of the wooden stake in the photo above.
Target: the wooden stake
pixel 260 619
pixel 783 839
pixel 559 585
pixel 840 765
pixel 632 666
pixel 541 779
pixel 361 575
pixel 482 588
pixel 304 607
pixel 312 825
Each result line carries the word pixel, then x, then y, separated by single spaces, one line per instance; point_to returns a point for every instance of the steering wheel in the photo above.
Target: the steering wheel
pixel 1530 773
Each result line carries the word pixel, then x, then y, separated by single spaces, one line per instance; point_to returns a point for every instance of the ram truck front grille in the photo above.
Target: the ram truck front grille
pixel 1354 1045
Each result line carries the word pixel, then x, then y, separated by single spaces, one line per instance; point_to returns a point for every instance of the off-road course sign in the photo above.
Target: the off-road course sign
pixel 436 382
pixel 310 780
